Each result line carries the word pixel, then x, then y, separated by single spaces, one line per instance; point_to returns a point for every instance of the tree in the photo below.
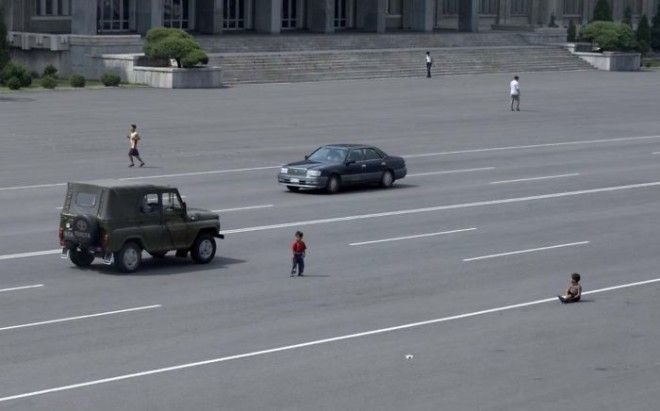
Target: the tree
pixel 610 36
pixel 655 30
pixel 643 34
pixel 571 35
pixel 4 47
pixel 168 43
pixel 627 16
pixel 602 11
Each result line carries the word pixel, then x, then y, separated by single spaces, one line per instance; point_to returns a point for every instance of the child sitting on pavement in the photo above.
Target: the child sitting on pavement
pixel 573 292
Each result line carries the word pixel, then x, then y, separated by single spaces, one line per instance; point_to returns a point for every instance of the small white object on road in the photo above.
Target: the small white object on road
pixel 409 356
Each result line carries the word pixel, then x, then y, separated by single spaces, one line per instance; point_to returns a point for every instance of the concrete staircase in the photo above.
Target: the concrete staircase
pixel 289 57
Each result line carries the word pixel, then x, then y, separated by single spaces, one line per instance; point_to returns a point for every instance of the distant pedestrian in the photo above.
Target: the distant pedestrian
pixel 515 93
pixel 573 292
pixel 133 140
pixel 299 248
pixel 429 64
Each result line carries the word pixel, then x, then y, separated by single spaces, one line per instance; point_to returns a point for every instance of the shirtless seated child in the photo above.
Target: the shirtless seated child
pixel 573 292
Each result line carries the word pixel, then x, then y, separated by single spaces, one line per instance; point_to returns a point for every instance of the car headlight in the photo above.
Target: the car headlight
pixel 313 173
pixel 284 170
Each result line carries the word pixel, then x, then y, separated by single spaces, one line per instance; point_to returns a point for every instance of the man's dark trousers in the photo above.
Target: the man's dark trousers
pixel 428 70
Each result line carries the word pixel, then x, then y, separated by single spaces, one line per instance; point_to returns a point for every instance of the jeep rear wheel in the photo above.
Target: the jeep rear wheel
pixel 203 251
pixel 81 258
pixel 128 259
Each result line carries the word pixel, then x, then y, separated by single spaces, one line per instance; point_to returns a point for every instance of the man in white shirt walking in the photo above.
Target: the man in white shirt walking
pixel 429 63
pixel 515 93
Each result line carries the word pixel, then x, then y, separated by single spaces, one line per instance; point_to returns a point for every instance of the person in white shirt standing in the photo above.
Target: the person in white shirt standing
pixel 429 63
pixel 515 93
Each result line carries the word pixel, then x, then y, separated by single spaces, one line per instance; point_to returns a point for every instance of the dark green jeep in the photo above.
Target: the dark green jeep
pixel 116 220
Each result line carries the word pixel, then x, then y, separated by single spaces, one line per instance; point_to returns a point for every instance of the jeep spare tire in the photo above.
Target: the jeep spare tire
pixel 85 229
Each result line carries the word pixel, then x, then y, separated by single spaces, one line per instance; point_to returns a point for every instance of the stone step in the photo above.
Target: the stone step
pixel 328 65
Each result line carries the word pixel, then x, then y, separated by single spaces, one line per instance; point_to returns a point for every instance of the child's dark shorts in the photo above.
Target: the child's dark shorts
pixel 133 152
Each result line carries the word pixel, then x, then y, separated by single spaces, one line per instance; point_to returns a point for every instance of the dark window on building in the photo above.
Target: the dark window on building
pixel 450 7
pixel 572 7
pixel 519 7
pixel 52 7
pixel 175 14
pixel 488 7
pixel 234 16
pixel 113 16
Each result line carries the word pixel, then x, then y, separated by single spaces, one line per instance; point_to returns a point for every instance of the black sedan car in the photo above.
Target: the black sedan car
pixel 334 166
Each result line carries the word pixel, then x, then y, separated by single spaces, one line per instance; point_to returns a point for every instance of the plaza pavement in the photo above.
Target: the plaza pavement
pixel 500 208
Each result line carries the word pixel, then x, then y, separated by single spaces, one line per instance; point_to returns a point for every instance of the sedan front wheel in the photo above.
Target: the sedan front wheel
pixel 333 185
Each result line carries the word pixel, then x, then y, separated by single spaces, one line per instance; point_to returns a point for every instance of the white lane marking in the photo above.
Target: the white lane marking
pixel 201 173
pixel 30 254
pixel 79 317
pixel 656 152
pixel 564 143
pixel 398 212
pixel 32 186
pixel 444 207
pixel 22 287
pixel 254 207
pixel 535 178
pixel 529 250
pixel 464 170
pixel 409 237
pixel 311 343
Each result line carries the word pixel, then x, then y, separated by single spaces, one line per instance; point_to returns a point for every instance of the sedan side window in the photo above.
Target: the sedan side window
pixel 355 155
pixel 371 154
pixel 150 204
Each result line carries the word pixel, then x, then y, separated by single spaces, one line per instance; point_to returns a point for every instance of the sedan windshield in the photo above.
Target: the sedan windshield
pixel 329 155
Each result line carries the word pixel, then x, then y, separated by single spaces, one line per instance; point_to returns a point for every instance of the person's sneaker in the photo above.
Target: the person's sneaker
pixel 517 109
pixel 131 165
pixel 300 275
pixel 562 299
pixel 142 165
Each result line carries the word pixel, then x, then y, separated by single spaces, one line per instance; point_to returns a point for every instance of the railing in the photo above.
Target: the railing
pixel 27 41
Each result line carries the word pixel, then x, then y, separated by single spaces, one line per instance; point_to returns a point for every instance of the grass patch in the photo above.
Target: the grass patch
pixel 64 84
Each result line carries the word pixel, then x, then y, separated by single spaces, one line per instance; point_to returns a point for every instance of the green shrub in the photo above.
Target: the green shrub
pixel 14 83
pixel 609 36
pixel 602 11
pixel 571 34
pixel 50 71
pixel 167 43
pixel 16 70
pixel 48 82
pixel 77 80
pixel 643 34
pixel 655 30
pixel 4 47
pixel 110 80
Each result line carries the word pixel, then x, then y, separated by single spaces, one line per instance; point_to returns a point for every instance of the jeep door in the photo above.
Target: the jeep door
pixel 150 218
pixel 176 221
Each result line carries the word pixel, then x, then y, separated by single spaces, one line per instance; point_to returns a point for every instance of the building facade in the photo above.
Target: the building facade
pixel 111 17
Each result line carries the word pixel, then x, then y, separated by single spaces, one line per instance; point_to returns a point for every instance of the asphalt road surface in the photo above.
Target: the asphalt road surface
pixel 437 294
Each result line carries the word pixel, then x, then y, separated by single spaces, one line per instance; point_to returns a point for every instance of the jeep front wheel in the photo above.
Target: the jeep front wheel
pixel 203 251
pixel 128 259
pixel 81 258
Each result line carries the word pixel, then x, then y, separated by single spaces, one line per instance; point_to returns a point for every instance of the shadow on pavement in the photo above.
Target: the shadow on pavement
pixel 168 265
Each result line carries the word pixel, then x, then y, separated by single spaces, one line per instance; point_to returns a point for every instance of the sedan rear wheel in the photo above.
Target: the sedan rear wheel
pixel 333 185
pixel 387 179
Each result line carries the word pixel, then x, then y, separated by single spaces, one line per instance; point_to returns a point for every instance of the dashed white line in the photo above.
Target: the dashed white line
pixel 22 287
pixel 30 254
pixel 519 180
pixel 201 173
pixel 310 343
pixel 529 250
pixel 79 317
pixel 410 237
pixel 464 170
pixel 564 143
pixel 254 207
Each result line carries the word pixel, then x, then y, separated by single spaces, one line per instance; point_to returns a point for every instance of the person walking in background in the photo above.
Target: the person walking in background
pixel 298 247
pixel 429 64
pixel 515 93
pixel 133 139
pixel 573 292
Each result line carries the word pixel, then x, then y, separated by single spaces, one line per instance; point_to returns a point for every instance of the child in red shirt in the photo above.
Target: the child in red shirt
pixel 298 247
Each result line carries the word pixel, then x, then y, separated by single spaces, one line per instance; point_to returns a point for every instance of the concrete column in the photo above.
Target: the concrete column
pixel 617 9
pixel 321 16
pixel 468 15
pixel 503 12
pixel 157 11
pixel 370 15
pixel 534 17
pixel 268 16
pixel 209 16
pixel 83 17
pixel 420 15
